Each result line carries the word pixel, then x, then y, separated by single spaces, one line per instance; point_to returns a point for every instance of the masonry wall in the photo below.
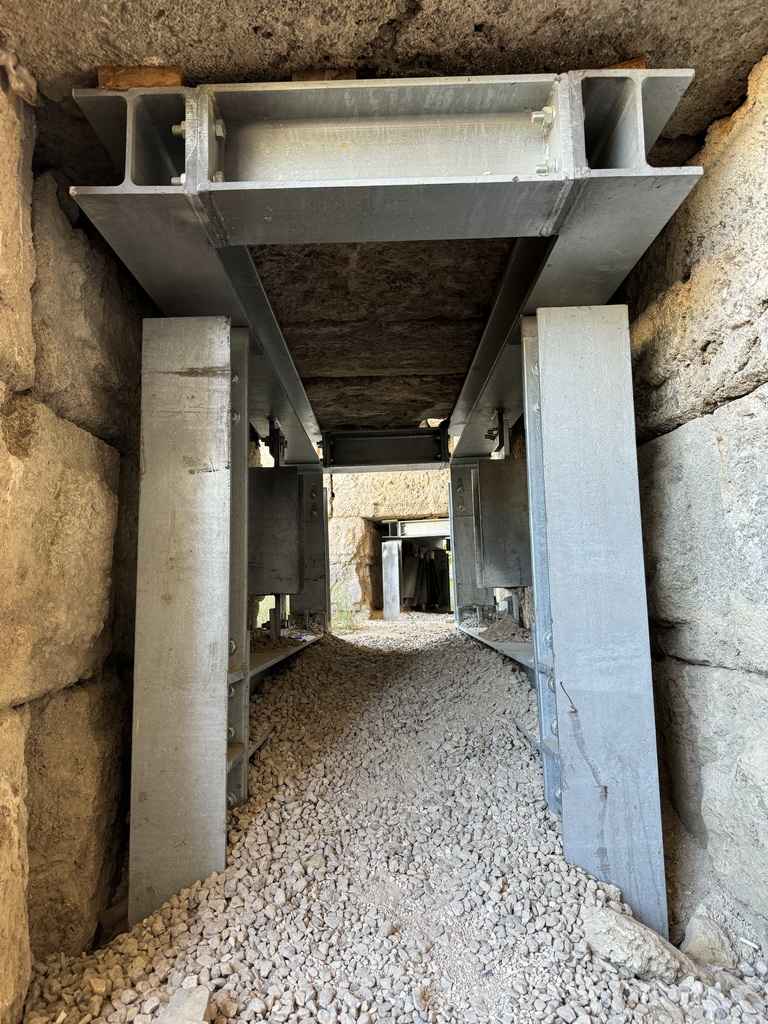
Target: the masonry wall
pixel 357 502
pixel 69 374
pixel 700 346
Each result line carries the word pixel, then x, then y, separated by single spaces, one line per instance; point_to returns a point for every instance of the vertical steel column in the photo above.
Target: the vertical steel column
pixel 391 561
pixel 542 625
pixel 239 634
pixel 467 595
pixel 178 807
pixel 606 728
pixel 313 606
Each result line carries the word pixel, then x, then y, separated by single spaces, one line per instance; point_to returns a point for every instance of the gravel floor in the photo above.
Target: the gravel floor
pixel 395 864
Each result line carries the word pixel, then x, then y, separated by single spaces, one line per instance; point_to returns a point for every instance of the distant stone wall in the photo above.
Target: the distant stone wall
pixel 700 346
pixel 70 325
pixel 356 502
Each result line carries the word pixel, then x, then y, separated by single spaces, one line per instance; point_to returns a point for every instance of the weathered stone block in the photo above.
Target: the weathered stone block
pixel 58 507
pixel 713 723
pixel 705 520
pixel 74 758
pixel 15 958
pixel 701 338
pixel 87 324
pixel 17 263
pixel 355 564
pixel 405 495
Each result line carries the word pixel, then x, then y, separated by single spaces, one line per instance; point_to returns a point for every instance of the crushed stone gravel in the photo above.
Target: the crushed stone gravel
pixel 395 864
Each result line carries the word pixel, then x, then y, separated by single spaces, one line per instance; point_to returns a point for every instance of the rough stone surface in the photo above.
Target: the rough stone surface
pixel 57 519
pixel 707 944
pixel 74 761
pixel 17 263
pixel 713 723
pixel 261 42
pixel 87 324
pixel 625 942
pixel 702 336
pixel 355 564
pixel 382 333
pixel 396 864
pixel 409 495
pixel 15 958
pixel 705 520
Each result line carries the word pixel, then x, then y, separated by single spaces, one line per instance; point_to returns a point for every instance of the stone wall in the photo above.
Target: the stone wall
pixel 70 327
pixel 700 346
pixel 357 501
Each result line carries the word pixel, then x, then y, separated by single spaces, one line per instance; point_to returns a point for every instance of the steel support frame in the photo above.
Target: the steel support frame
pixel 179 762
pixel 391 577
pixel 312 607
pixel 468 597
pixel 591 630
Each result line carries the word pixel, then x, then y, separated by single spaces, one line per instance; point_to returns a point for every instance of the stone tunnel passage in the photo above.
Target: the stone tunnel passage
pixel 396 863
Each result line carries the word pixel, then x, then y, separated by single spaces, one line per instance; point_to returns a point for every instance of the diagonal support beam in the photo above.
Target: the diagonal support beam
pixel 276 391
pixel 494 379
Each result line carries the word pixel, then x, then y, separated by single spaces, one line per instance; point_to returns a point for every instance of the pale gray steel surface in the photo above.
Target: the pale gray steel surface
pixel 179 762
pixel 526 260
pixel 315 600
pixel 604 217
pixel 268 340
pixel 502 537
pixel 466 594
pixel 414 528
pixel 391 555
pixel 275 531
pixel 238 693
pixel 606 727
pixel 544 675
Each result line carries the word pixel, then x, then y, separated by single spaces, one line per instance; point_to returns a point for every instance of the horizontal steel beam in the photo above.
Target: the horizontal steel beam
pixel 517 156
pixel 354 451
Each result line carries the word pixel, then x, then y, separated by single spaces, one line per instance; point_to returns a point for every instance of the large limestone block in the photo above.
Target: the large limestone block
pixel 17 262
pixel 58 507
pixel 713 723
pixel 407 495
pixel 87 327
pixel 354 552
pixel 705 523
pixel 15 959
pixel 702 337
pixel 74 758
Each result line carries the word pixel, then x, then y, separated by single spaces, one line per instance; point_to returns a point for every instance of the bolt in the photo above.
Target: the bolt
pixel 313 492
pixel 218 176
pixel 231 800
pixel 314 514
pixel 558 794
pixel 179 180
pixel 551 684
pixel 232 645
pixel 235 416
pixel 221 129
pixel 546 168
pixel 544 117
pixel 548 637
pixel 235 378
pixel 231 732
pixel 179 129
pixel 553 726
pixel 231 690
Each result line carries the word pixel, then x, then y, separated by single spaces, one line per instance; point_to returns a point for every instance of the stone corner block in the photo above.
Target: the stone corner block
pixel 58 508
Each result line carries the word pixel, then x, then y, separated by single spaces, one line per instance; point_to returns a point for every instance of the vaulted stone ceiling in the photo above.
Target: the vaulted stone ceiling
pixel 382 334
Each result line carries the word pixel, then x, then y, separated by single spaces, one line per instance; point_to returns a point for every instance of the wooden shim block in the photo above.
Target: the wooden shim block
pixel 636 62
pixel 117 77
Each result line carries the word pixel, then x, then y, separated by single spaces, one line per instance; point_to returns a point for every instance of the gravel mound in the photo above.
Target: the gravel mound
pixel 396 863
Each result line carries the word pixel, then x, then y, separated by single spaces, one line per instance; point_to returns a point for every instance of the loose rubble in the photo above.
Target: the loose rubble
pixel 395 864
